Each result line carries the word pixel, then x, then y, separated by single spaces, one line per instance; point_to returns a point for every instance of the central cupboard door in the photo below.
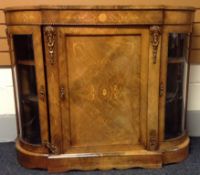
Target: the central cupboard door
pixel 103 88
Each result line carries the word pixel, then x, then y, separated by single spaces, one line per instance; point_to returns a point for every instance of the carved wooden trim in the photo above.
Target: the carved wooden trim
pixel 153 140
pixel 50 34
pixel 155 34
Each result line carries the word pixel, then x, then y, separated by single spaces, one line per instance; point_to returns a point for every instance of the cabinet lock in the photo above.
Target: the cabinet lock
pixel 42 93
pixel 161 89
pixel 62 93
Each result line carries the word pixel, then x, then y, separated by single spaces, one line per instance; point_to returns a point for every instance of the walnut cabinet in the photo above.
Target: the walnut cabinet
pixel 100 87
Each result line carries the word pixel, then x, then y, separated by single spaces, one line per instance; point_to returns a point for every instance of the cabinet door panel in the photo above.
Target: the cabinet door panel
pixel 104 89
pixel 104 78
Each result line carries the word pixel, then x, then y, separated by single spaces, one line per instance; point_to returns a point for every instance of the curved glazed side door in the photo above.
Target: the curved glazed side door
pixel 30 86
pixel 174 81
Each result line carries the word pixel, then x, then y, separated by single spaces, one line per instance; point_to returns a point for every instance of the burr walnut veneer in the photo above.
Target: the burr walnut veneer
pixel 100 87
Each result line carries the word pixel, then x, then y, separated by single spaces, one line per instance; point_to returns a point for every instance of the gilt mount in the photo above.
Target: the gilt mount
pixel 50 34
pixel 155 34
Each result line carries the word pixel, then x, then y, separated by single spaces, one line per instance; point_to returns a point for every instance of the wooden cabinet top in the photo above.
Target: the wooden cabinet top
pixel 98 15
pixel 74 7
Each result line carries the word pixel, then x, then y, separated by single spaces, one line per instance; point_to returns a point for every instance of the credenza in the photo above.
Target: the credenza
pixel 100 87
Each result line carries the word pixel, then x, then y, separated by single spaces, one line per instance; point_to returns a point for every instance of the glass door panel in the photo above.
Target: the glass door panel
pixel 176 84
pixel 28 99
pixel 23 47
